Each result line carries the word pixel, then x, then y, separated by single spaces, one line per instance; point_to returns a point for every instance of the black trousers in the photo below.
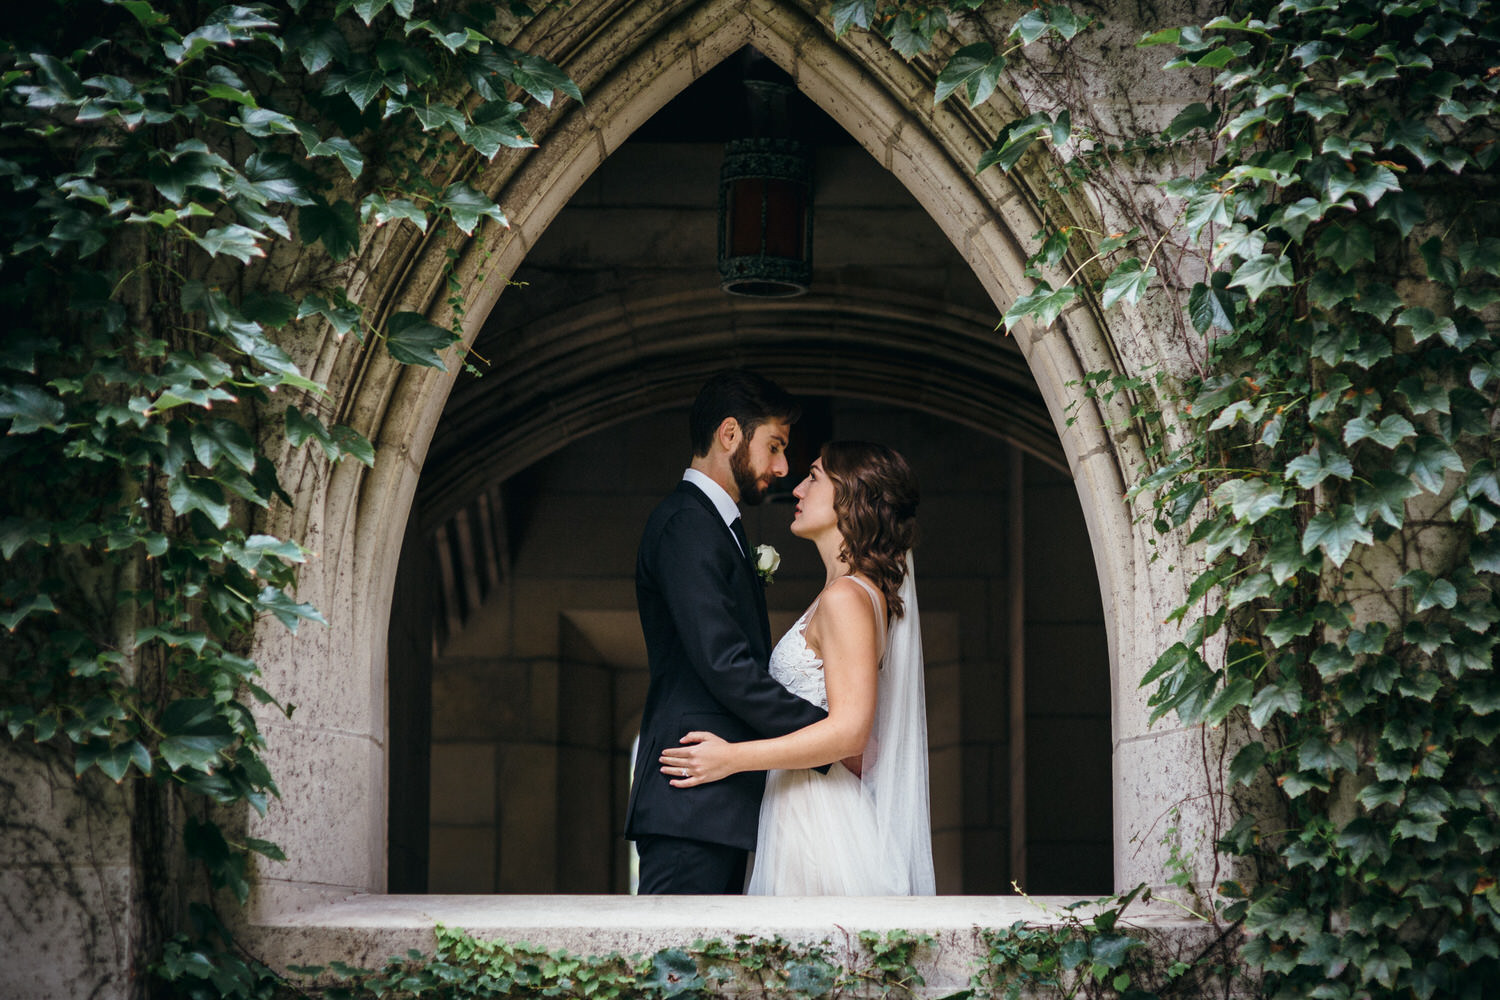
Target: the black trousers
pixel 676 866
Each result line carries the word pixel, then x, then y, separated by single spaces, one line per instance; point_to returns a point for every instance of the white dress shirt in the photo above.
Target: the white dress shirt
pixel 723 502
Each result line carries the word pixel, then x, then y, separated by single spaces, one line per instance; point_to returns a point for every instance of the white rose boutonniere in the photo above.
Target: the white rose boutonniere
pixel 766 561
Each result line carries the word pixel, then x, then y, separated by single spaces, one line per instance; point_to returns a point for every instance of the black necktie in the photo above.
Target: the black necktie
pixel 738 527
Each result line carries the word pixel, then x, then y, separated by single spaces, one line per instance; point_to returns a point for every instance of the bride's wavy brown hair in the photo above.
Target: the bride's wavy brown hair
pixel 875 498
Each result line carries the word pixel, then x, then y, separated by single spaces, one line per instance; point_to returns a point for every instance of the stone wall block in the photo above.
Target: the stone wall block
pixel 1161 780
pixel 330 819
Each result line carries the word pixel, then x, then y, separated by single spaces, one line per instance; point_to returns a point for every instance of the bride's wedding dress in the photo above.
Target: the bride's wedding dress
pixel 839 834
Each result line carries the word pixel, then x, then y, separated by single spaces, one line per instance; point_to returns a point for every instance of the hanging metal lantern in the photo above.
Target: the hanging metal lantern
pixel 765 218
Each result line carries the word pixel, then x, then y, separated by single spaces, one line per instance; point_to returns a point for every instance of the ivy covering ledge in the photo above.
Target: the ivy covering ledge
pixel 663 946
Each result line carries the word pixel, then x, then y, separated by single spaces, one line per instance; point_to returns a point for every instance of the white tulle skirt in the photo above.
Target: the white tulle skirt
pixel 819 837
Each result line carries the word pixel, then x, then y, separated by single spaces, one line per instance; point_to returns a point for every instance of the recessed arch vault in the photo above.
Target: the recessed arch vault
pixel 631 58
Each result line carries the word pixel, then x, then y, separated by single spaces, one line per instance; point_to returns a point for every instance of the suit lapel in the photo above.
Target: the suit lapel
pixel 749 579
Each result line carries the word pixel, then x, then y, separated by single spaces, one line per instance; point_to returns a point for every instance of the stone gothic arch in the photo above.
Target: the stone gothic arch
pixel 630 58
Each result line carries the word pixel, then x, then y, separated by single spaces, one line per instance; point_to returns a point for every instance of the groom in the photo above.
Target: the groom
pixel 704 618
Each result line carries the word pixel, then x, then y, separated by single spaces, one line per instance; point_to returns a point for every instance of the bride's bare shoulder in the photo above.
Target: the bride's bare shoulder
pixel 845 602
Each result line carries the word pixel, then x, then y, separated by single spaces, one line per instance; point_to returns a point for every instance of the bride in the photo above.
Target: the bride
pixel 861 828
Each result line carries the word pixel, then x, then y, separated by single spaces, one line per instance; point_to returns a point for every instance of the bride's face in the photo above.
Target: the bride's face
pixel 814 514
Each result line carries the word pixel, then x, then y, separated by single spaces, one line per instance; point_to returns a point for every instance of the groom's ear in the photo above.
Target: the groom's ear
pixel 728 434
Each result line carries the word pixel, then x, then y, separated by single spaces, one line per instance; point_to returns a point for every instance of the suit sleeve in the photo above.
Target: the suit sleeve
pixel 693 565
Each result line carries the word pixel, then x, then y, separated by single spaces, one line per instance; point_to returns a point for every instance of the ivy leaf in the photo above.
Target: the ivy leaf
pixel 1426 461
pixel 1012 142
pixel 220 438
pixel 1336 533
pixel 1440 267
pixel 1482 254
pixel 12 615
pixel 467 206
pixel 973 67
pixel 343 316
pixel 1390 432
pixel 380 210
pixel 263 122
pixel 1195 116
pixel 189 493
pixel 1210 307
pixel 239 242
pixel 495 126
pixel 1428 592
pixel 1251 499
pixel 338 147
pixel 1236 693
pixel 413 340
pixel 1403 209
pixel 1283 696
pixel 318 45
pixel 1317 465
pixel 911 31
pixel 1382 793
pixel 1253 587
pixel 1484 555
pixel 1286 559
pixel 16 532
pixel 1259 275
pixel 269 308
pixel 196 733
pixel 1377 299
pixel 302 427
pixel 1247 763
pixel 336 225
pixel 276 177
pixel 1317 753
pixel 852 14
pixel 1469 652
pixel 1423 397
pixel 187 166
pixel 1346 246
pixel 1206 208
pixel 286 610
pixel 1372 182
pixel 1364 840
pixel 352 444
pixel 1285 627
pixel 30 409
pixel 1424 324
pixel 1238 241
pixel 1385 497
pixel 1129 281
pixel 1043 304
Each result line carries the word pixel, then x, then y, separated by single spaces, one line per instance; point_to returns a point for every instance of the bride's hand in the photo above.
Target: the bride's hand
pixel 702 758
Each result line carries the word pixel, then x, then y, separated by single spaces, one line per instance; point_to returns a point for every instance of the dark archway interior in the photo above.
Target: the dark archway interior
pixel 516 664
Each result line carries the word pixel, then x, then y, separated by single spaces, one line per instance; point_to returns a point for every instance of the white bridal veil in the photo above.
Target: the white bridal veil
pixel 895 764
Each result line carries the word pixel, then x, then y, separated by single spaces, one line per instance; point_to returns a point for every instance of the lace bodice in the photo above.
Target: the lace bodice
pixel 796 667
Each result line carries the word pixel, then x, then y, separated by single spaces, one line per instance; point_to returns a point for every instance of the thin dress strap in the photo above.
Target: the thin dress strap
pixel 879 617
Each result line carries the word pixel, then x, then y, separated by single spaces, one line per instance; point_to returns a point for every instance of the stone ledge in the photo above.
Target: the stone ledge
pixel 365 930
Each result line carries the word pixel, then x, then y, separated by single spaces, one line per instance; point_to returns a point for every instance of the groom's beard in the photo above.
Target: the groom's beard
pixel 751 491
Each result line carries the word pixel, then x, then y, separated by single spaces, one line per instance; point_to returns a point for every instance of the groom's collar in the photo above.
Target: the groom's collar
pixel 722 501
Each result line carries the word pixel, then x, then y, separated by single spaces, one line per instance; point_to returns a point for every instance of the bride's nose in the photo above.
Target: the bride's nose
pixel 801 490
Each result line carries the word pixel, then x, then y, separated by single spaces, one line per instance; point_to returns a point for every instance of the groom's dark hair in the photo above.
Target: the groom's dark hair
pixel 749 398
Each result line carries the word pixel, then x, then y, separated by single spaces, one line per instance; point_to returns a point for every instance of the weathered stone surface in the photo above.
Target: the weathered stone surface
pixel 366 930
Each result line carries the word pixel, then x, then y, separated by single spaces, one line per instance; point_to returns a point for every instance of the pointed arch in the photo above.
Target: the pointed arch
pixel 631 58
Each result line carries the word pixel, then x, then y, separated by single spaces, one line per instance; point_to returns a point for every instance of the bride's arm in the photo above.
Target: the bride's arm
pixel 843 633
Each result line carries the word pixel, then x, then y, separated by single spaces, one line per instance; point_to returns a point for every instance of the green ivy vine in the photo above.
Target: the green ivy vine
pixel 1087 950
pixel 183 189
pixel 1333 465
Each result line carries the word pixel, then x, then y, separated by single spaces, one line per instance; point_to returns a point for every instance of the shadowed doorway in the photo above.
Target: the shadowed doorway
pixel 516 663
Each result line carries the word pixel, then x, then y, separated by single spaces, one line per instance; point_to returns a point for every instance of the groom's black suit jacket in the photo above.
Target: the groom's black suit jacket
pixel 704 617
